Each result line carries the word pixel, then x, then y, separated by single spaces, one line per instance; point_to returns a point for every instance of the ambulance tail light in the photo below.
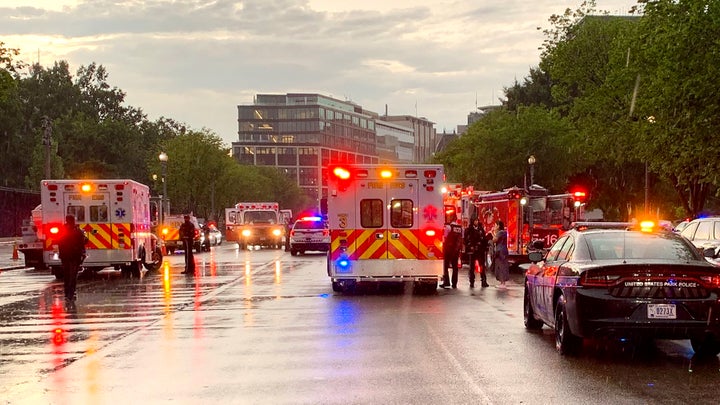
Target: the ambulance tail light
pixel 430 233
pixel 54 229
pixel 341 173
pixel 430 174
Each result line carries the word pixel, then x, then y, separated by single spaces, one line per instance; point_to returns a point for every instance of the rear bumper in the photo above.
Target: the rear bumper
pixel 597 314
pixel 310 246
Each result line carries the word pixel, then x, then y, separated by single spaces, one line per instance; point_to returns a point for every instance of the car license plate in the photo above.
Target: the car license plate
pixel 661 311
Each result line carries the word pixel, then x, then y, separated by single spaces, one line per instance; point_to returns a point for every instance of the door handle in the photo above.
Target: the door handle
pixel 379 235
pixel 395 235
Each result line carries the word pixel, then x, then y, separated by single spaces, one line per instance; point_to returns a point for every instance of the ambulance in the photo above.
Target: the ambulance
pixel 386 225
pixel 255 224
pixel 115 216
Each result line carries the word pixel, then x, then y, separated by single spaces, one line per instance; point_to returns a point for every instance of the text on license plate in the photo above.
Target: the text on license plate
pixel 661 311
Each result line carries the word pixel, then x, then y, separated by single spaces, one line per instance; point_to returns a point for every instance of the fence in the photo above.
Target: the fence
pixel 15 206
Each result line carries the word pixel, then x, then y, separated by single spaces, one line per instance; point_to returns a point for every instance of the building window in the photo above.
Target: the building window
pixel 308 156
pixel 245 155
pixel 308 176
pixel 371 213
pixel 286 156
pixel 265 156
pixel 401 213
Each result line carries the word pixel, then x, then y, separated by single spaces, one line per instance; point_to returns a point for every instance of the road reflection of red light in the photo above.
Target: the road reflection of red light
pixel 213 263
pixel 167 301
pixel 57 340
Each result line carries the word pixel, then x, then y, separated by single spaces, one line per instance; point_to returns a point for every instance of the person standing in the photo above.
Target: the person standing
pixel 500 256
pixel 71 249
pixel 187 234
pixel 476 246
pixel 452 243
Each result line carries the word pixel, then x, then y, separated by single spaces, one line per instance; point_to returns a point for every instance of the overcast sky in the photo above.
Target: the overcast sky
pixel 196 60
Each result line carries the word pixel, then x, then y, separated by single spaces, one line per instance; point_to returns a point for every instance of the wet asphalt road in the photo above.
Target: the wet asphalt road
pixel 265 327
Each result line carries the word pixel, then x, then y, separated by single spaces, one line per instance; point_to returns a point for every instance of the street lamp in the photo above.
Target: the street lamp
pixel 163 162
pixel 531 208
pixel 531 162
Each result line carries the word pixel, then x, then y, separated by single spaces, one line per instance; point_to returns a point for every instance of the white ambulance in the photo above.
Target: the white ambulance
pixel 386 225
pixel 115 215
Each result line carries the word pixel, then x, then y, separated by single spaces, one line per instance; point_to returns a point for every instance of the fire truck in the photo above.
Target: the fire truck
pixel 386 225
pixel 529 216
pixel 255 224
pixel 115 216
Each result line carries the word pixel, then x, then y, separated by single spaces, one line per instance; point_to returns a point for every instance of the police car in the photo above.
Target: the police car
pixel 309 233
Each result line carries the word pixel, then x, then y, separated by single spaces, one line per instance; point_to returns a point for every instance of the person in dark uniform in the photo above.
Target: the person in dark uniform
pixel 71 249
pixel 187 234
pixel 476 243
pixel 452 244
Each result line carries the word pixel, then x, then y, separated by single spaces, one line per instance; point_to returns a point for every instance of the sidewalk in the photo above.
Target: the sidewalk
pixel 6 254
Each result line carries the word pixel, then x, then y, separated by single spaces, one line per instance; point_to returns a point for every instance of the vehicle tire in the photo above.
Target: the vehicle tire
pixel 57 272
pixel 528 315
pixel 293 252
pixel 155 261
pixel 565 342
pixel 125 271
pixel 171 251
pixel 706 346
pixel 241 246
pixel 337 287
pixel 136 269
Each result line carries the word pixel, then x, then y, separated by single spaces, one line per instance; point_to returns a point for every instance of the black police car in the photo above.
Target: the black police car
pixel 630 282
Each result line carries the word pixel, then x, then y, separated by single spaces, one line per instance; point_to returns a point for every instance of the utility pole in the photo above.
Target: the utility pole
pixel 47 142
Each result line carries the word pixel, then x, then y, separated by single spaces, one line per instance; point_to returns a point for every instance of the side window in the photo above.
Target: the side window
pixel 78 211
pixel 703 230
pixel 566 250
pixel 98 213
pixel 371 213
pixel 689 231
pixel 401 213
pixel 555 249
pixel 717 230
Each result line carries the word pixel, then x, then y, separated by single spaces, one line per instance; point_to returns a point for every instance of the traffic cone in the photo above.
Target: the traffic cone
pixel 15 252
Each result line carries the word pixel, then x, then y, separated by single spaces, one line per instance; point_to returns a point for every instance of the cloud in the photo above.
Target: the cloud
pixel 196 60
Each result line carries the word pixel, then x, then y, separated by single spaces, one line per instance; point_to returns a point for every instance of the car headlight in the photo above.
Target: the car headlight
pixel 277 232
pixel 246 232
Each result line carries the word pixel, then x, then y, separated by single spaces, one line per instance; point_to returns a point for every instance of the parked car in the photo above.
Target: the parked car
pixel 210 235
pixel 309 233
pixel 703 232
pixel 624 283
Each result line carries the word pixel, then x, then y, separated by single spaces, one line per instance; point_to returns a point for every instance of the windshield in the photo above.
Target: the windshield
pixel 260 217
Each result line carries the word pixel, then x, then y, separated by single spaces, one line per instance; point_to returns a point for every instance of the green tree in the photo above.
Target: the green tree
pixel 493 153
pixel 678 60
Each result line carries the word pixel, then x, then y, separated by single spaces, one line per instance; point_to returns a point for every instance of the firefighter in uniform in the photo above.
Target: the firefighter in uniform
pixel 452 244
pixel 187 234
pixel 72 253
pixel 476 244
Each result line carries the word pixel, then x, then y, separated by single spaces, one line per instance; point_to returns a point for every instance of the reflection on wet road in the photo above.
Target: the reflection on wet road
pixel 40 333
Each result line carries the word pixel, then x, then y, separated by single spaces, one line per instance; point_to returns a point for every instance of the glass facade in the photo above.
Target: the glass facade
pixel 301 133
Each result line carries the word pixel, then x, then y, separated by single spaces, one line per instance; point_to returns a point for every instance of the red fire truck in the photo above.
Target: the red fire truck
pixel 529 215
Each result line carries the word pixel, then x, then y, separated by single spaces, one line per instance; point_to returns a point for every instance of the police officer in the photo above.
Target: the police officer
pixel 452 244
pixel 187 234
pixel 476 243
pixel 71 249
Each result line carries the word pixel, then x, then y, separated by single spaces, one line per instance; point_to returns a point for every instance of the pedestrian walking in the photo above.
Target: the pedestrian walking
pixel 187 234
pixel 500 255
pixel 71 249
pixel 452 244
pixel 476 244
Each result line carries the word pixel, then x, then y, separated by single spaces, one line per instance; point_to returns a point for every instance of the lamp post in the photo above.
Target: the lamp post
pixel 531 209
pixel 163 162
pixel 531 162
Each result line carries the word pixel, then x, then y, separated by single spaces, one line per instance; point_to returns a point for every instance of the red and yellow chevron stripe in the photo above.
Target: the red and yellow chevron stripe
pixel 102 236
pixel 363 244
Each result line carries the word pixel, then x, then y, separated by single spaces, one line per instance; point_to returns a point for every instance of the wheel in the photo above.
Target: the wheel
pixel 155 260
pixel 337 287
pixel 565 342
pixel 171 251
pixel 135 269
pixel 528 314
pixel 241 246
pixel 706 346
pixel 293 252
pixel 57 272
